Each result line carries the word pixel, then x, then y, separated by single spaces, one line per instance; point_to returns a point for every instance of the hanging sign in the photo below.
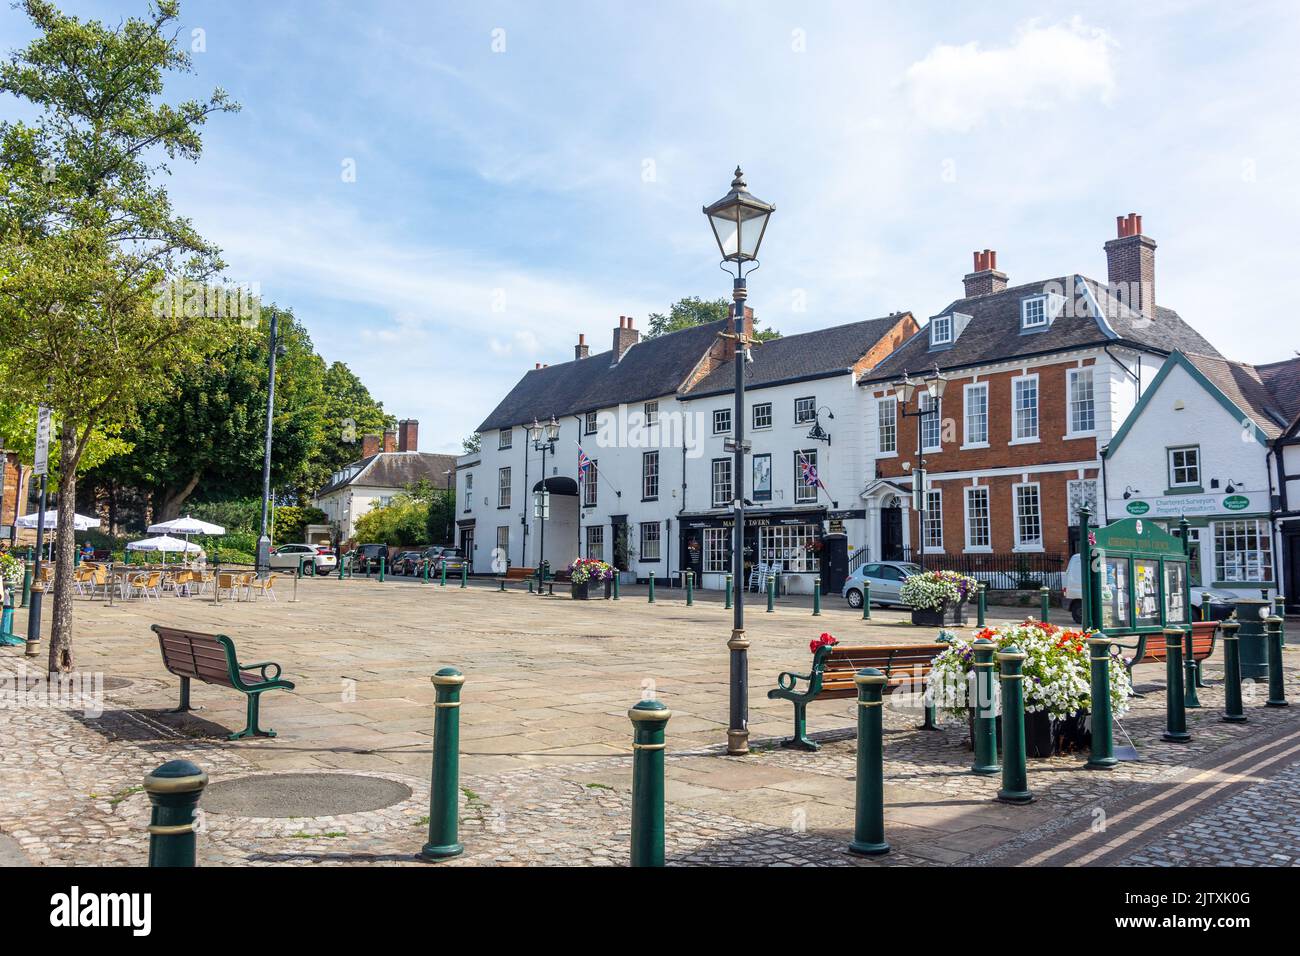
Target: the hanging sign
pixel 42 466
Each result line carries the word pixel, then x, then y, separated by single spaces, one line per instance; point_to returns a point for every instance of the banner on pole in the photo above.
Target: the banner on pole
pixel 42 465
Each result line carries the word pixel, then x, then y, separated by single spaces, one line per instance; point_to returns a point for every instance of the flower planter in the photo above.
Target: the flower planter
pixel 950 614
pixel 1044 736
pixel 580 592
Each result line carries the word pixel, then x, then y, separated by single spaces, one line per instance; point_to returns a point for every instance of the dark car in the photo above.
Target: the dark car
pixel 366 557
pixel 407 562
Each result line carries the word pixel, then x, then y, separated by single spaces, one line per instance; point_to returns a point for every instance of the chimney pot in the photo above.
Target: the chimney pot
pixel 985 279
pixel 624 336
pixel 1131 266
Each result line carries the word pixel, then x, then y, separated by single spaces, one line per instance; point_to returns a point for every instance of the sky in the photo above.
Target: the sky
pixel 447 193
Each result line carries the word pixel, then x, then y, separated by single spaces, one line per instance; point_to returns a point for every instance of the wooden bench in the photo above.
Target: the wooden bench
pixel 831 678
pixel 1150 648
pixel 520 574
pixel 211 658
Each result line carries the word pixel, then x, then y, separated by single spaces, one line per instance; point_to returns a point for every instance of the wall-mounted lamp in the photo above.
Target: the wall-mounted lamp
pixel 1130 491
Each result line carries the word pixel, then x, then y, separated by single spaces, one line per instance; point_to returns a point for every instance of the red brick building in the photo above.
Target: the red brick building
pixel 13 482
pixel 1039 377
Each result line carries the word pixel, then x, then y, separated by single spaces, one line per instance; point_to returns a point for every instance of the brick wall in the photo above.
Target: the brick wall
pixel 9 499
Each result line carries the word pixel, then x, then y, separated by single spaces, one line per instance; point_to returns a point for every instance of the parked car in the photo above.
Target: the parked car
pixel 366 557
pixel 407 562
pixel 886 579
pixel 453 558
pixel 1221 606
pixel 287 556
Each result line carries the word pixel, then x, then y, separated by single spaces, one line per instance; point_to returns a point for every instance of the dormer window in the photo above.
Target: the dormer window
pixel 1033 313
pixel 941 330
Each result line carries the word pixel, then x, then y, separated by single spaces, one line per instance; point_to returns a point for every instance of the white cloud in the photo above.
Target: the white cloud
pixel 958 87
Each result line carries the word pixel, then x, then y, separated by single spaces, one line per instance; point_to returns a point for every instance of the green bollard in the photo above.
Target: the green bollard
pixel 690 588
pixel 1276 678
pixel 729 583
pixel 383 566
pixel 1103 733
pixel 1175 710
pixel 1205 605
pixel 501 584
pixel 299 574
pixel 1015 772
pixel 1192 670
pixel 982 594
pixel 442 581
pixel 1044 603
pixel 174 790
pixel 866 600
pixel 650 592
pixel 617 574
pixel 649 718
pixel 1232 709
pixel 817 597
pixel 986 711
pixel 367 563
pixel 424 570
pixel 869 803
pixel 771 593
pixel 1279 609
pixel 530 585
pixel 464 573
pixel 444 789
pixel 342 562
pixel 27 583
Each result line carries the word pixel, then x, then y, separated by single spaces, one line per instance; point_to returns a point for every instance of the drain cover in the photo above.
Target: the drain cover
pixel 302 795
pixel 116 683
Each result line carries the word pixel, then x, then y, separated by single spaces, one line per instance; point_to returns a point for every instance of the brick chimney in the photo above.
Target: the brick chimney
pixel 370 445
pixel 986 279
pixel 408 435
pixel 624 336
pixel 582 349
pixel 1131 265
pixel 390 439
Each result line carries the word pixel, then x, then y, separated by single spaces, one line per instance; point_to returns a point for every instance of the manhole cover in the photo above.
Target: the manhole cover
pixel 116 683
pixel 302 795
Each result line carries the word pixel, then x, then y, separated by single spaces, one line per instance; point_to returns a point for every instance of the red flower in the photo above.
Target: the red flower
pixel 824 641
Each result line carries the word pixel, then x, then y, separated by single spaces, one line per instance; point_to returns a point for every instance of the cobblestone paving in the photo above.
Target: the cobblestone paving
pixel 542 782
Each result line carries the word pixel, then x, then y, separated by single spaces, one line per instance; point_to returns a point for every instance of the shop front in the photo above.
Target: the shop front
pixel 792 542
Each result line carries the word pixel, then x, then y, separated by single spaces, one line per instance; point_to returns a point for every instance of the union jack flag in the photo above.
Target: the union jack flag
pixel 584 463
pixel 809 473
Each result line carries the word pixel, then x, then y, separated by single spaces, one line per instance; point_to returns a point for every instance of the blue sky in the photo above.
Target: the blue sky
pixel 527 172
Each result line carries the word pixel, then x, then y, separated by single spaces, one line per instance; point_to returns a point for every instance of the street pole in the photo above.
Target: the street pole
pixel 541 538
pixel 738 725
pixel 264 539
pixel 41 467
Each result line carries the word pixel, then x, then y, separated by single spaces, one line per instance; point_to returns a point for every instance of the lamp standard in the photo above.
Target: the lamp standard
pixel 738 220
pixel 934 386
pixel 264 539
pixel 447 502
pixel 543 438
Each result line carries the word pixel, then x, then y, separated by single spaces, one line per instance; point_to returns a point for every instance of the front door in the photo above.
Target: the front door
pixel 1292 549
pixel 467 545
pixel 891 534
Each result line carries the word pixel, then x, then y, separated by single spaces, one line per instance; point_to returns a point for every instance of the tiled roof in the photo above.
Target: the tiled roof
pixel 396 469
pixel 1250 388
pixel 993 332
pixel 808 354
pixel 647 370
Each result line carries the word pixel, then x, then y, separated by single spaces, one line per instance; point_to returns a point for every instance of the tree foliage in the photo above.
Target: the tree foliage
pixel 692 311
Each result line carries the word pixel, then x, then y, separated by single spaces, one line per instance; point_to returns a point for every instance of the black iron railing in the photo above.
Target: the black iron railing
pixel 1002 571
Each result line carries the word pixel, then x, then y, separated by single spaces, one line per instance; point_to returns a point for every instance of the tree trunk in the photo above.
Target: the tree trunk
pixel 167 505
pixel 61 621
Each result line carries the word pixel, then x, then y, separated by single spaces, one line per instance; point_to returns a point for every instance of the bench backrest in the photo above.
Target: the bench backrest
pixel 191 654
pixel 892 659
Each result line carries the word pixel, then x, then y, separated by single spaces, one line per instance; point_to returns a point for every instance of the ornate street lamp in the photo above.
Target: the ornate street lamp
pixel 543 438
pixel 935 383
pixel 739 221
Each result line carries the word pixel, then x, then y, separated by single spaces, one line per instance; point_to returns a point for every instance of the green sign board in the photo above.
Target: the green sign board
pixel 1138 578
pixel 1236 502
pixel 1137 507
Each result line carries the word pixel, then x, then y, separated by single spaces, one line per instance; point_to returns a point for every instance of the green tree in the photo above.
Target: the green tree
pixel 350 411
pixel 88 237
pixel 403 521
pixel 692 311
pixel 472 443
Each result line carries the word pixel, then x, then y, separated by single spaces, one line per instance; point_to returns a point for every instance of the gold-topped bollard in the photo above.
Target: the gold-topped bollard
pixel 174 791
pixel 444 790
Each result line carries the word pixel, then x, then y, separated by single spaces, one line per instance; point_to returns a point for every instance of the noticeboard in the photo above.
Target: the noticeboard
pixel 1138 578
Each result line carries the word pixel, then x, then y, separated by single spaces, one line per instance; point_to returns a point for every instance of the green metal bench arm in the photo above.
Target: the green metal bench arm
pixel 262 666
pixel 268 682
pixel 786 679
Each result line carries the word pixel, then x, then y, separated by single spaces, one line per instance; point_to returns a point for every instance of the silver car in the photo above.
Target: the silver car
pixel 886 579
pixel 287 556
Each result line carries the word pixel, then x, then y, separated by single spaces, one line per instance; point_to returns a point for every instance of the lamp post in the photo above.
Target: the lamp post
pixel 934 384
pixel 447 503
pixel 264 539
pixel 543 438
pixel 739 221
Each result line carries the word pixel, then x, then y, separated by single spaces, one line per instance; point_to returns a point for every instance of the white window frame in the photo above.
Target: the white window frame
pixel 1020 541
pixel 1016 438
pixel 589 423
pixel 720 501
pixel 650 476
pixel 889 427
pixel 786 547
pixel 503 487
pixel 984 492
pixel 591 485
pixel 1071 376
pixel 596 531
pixel 505 439
pixel 1257 565
pixel 716 551
pixel 804 493
pixel 1041 321
pixel 811 415
pixel 932 528
pixel 503 546
pixel 967 391
pixel 941 324
pixel 648 540
pixel 924 403
pixel 1169 459
pixel 754 415
pixel 651 413
pixel 723 413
